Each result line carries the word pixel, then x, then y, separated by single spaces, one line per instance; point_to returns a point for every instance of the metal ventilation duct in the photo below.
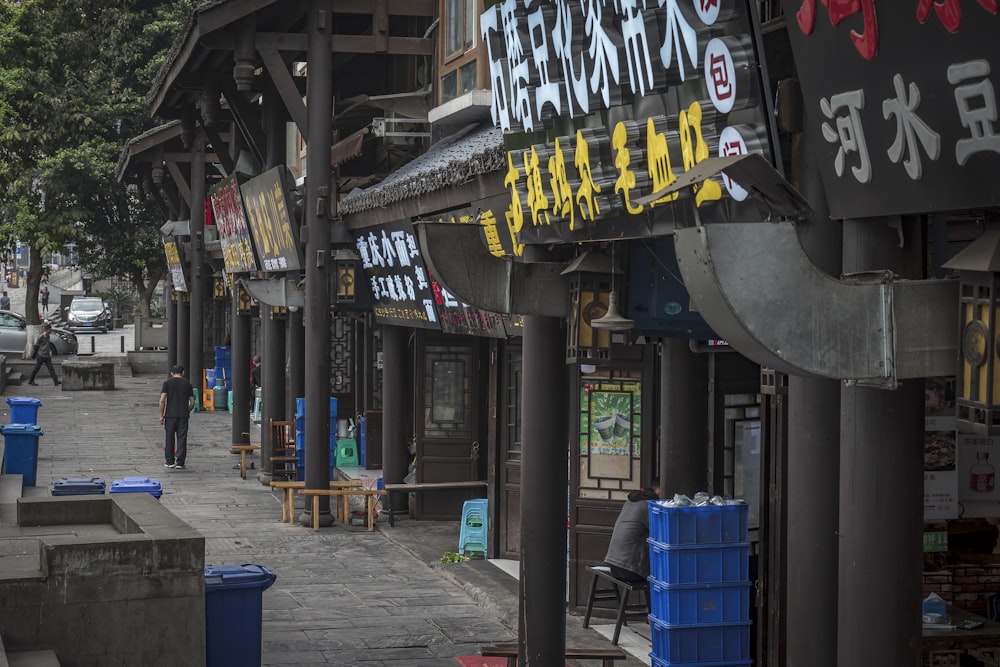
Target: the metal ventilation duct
pixel 756 287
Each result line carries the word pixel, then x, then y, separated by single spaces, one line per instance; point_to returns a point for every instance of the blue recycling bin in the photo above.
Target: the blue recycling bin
pixel 234 613
pixel 78 486
pixel 137 485
pixel 23 409
pixel 21 451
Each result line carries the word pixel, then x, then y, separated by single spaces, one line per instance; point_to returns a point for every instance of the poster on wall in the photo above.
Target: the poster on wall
pixel 610 420
pixel 940 475
pixel 977 476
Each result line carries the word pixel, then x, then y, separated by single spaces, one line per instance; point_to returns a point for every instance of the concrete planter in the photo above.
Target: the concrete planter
pixel 148 362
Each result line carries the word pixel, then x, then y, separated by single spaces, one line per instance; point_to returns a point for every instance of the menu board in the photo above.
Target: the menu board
pixel 231 221
pixel 400 286
pixel 941 492
pixel 271 222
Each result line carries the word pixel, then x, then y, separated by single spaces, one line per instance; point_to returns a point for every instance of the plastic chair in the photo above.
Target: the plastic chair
pixel 284 462
pixel 472 536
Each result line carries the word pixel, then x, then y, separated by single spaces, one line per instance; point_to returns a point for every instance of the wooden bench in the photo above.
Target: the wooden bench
pixel 288 489
pixel 607 656
pixel 620 591
pixel 371 496
pixel 424 487
pixel 244 450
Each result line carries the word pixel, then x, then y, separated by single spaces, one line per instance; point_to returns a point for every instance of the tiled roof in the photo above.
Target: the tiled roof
pixel 451 161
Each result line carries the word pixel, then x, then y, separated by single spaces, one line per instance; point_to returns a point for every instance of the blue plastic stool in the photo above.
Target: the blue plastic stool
pixel 256 409
pixel 472 538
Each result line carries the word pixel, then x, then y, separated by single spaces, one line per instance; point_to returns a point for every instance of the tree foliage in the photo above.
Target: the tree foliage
pixel 73 79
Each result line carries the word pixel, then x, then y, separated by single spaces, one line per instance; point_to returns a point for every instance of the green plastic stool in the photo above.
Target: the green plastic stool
pixel 197 402
pixel 347 453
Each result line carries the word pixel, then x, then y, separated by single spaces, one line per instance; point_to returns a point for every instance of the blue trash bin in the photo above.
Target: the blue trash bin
pixel 78 486
pixel 23 409
pixel 137 485
pixel 234 613
pixel 21 451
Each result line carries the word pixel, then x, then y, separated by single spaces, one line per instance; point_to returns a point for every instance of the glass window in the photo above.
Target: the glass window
pixel 468 76
pixel 448 382
pixel 448 86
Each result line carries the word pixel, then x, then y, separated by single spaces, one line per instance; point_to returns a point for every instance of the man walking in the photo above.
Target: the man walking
pixel 176 403
pixel 45 298
pixel 4 301
pixel 42 352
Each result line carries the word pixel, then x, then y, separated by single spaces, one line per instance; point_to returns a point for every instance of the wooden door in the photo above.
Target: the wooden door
pixel 508 478
pixel 449 443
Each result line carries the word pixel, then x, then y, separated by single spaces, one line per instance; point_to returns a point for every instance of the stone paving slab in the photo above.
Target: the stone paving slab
pixel 343 596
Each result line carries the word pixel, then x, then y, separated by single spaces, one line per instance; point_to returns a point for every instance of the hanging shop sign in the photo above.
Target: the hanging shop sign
pixel 271 222
pixel 495 235
pixel 554 61
pixel 400 285
pixel 458 317
pixel 901 98
pixel 173 255
pixel 231 221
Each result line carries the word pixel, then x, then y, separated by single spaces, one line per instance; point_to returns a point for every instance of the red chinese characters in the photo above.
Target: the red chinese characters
pixel 949 12
pixel 866 42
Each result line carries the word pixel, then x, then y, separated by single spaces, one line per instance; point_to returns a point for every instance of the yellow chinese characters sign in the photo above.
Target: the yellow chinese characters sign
pixel 173 255
pixel 271 222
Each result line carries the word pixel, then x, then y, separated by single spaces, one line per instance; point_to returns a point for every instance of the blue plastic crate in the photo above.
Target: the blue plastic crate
pixel 721 643
pixel 78 486
pixel 684 604
pixel 137 485
pixel 727 663
pixel 699 563
pixel 705 524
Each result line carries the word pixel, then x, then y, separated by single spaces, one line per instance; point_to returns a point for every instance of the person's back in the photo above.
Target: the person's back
pixel 4 302
pixel 628 553
pixel 177 389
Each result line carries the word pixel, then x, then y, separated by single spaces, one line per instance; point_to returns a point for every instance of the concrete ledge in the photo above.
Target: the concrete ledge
pixel 88 375
pixel 148 362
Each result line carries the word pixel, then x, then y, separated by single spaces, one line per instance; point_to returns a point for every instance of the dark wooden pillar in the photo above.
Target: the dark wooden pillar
pixel 683 464
pixel 881 484
pixel 242 400
pixel 319 204
pixel 171 325
pixel 272 383
pixel 394 391
pixel 544 474
pixel 196 353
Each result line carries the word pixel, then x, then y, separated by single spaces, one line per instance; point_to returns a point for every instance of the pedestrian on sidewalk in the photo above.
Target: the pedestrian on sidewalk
pixel 4 301
pixel 42 353
pixel 176 403
pixel 45 298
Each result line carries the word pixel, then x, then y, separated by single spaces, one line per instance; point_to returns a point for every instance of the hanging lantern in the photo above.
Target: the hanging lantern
pixel 978 388
pixel 590 282
pixel 218 288
pixel 244 304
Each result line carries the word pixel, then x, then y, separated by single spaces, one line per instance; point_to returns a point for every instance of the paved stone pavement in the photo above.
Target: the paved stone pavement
pixel 343 596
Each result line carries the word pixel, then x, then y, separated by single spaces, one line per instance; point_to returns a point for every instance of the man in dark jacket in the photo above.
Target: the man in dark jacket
pixel 43 355
pixel 628 553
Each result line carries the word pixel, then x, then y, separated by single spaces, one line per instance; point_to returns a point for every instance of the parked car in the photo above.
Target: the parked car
pixel 88 312
pixel 14 336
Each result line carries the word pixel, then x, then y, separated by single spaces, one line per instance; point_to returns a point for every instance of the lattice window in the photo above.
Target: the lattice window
pixel 375 397
pixel 342 355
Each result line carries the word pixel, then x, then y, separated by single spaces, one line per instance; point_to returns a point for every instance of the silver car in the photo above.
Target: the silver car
pixel 14 336
pixel 88 312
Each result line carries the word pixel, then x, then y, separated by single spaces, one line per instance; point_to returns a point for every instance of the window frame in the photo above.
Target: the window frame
pixel 455 61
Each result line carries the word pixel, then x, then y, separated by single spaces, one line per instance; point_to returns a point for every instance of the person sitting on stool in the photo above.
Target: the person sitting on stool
pixel 628 553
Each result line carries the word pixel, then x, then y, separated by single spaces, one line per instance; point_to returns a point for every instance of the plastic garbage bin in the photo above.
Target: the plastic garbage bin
pixel 137 485
pixel 23 409
pixel 21 451
pixel 78 486
pixel 234 613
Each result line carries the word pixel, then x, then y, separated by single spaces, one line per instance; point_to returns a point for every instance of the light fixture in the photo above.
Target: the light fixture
pixel 612 320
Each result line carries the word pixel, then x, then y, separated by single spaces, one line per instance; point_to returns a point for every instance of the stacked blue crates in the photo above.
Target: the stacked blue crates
pixel 699 559
pixel 300 436
pixel 223 365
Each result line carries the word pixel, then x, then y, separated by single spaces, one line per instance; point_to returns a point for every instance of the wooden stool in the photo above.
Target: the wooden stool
pixel 243 450
pixel 619 590
pixel 288 489
pixel 371 495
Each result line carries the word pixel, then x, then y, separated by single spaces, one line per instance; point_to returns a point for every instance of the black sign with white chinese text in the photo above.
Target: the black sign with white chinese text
pixel 400 286
pixel 901 98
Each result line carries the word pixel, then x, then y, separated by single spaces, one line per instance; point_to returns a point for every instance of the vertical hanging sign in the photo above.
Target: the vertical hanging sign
pixel 271 222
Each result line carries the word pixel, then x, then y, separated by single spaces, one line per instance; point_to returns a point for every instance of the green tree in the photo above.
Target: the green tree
pixel 73 80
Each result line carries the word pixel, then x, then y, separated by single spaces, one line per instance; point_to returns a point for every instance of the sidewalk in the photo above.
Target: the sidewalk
pixel 343 596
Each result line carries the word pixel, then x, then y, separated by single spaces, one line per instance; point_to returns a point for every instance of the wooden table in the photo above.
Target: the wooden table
pixel 947 646
pixel 288 489
pixel 371 496
pixel 422 487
